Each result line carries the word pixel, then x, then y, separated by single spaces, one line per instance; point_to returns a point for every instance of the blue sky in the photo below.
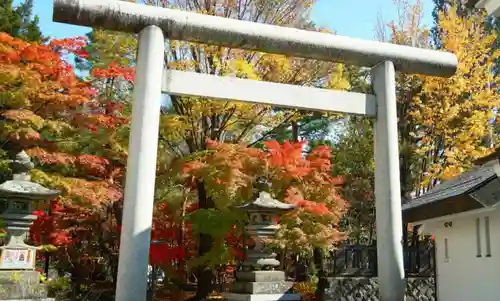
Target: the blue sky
pixel 355 18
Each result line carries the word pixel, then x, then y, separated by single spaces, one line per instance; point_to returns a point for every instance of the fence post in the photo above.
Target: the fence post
pixel 334 270
pixel 373 260
pixel 434 270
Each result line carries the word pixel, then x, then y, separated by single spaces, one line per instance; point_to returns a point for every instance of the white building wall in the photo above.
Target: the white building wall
pixel 461 274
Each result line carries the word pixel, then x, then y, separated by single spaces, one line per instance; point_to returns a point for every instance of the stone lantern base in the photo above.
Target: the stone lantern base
pixel 261 286
pixel 18 278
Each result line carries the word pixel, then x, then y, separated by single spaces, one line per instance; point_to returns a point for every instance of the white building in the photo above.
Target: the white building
pixel 491 6
pixel 464 217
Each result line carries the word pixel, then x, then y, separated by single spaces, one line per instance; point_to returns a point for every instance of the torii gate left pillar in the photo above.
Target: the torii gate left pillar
pixel 141 167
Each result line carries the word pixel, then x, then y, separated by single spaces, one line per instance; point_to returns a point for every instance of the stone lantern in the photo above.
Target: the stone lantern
pixel 18 278
pixel 259 279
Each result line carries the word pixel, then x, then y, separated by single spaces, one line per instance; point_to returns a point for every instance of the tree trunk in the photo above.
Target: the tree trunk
pixel 181 263
pixel 318 256
pixel 405 235
pixel 295 131
pixel 372 228
pixel 319 260
pixel 414 238
pixel 46 264
pixel 204 274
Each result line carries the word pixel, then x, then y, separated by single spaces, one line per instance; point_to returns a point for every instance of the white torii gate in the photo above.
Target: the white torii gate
pixel 155 24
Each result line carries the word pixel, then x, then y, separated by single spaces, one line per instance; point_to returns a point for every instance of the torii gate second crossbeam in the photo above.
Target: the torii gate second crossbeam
pixel 155 24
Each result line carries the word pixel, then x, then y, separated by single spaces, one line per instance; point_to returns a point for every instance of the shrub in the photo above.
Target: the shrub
pixel 306 290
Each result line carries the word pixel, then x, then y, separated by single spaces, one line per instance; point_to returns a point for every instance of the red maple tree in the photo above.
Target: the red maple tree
pixel 73 134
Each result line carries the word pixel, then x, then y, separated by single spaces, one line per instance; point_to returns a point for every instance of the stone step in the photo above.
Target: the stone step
pixel 274 287
pixel 262 297
pixel 260 276
pixel 43 299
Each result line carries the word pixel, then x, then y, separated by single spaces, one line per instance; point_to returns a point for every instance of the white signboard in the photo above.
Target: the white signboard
pixel 17 259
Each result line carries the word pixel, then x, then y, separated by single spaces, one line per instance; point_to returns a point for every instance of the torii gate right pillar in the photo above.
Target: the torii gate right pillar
pixel 391 275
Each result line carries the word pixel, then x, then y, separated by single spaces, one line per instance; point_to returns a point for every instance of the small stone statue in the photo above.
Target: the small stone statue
pixel 21 166
pixel 261 184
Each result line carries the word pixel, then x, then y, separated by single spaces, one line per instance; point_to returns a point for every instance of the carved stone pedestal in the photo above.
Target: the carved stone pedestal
pixel 22 285
pixel 261 286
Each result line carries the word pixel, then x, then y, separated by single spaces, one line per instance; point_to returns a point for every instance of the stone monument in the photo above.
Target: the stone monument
pixel 259 280
pixel 18 278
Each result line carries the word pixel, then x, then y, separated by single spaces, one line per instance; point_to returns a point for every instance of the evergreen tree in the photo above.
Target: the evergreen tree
pixel 19 21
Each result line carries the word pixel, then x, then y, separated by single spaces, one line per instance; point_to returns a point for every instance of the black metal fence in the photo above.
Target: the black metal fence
pixel 357 261
pixel 361 261
pixel 345 261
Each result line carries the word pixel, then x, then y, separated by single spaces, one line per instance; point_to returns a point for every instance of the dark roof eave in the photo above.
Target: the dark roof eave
pixel 463 184
pixel 492 156
pixel 453 205
pixel 471 3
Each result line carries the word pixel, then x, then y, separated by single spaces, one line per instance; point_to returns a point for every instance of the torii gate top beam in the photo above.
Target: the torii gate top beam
pixel 179 25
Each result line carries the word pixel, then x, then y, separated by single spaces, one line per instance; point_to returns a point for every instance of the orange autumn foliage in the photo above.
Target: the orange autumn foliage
pixel 229 170
pixel 70 132
pixel 35 76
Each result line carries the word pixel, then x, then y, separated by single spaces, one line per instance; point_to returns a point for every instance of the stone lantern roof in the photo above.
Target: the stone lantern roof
pixel 265 202
pixel 26 190
pixel 21 187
